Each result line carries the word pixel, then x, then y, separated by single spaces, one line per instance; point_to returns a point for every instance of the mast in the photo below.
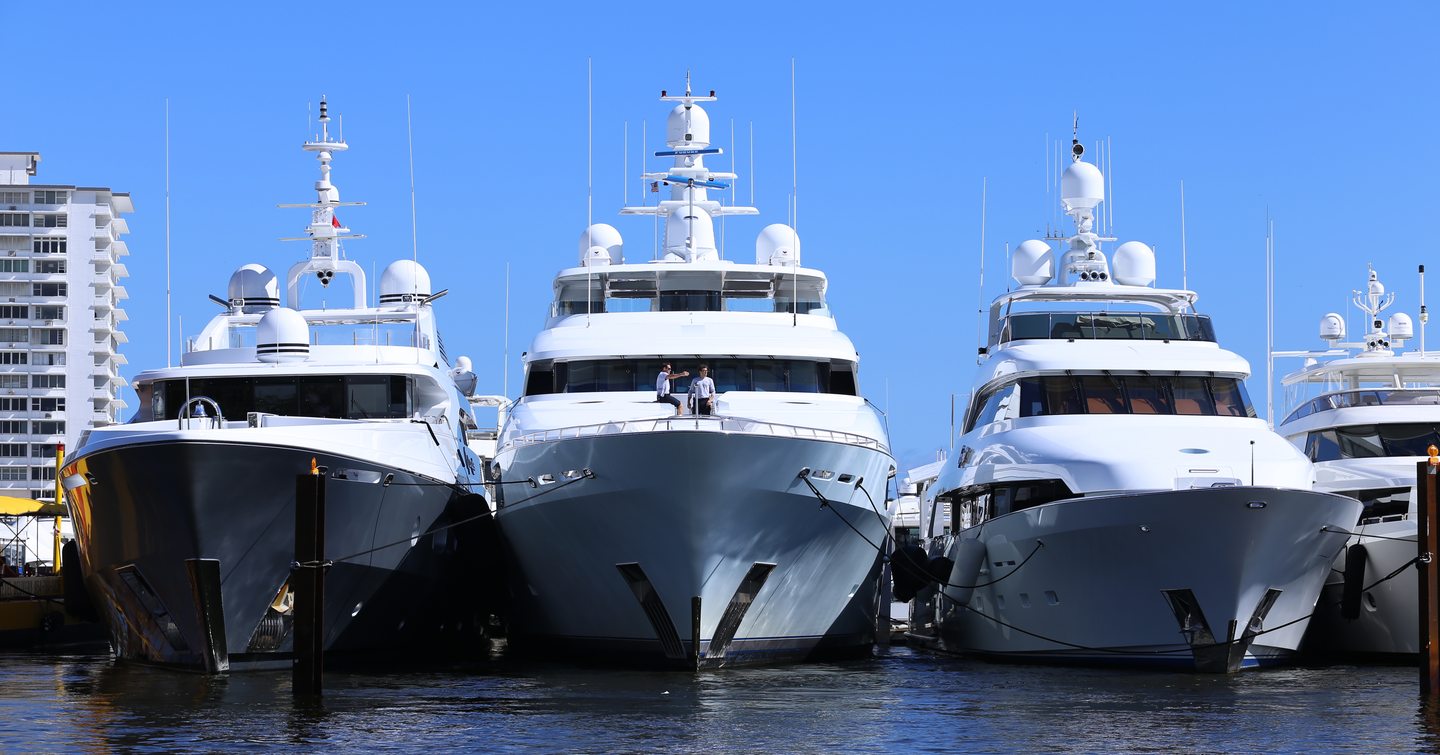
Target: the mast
pixel 325 230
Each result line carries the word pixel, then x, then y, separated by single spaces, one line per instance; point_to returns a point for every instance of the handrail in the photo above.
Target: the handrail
pixel 740 425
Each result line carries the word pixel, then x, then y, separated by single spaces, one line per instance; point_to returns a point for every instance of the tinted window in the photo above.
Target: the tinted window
pixel 787 375
pixel 1147 395
pixel 332 396
pixel 1102 395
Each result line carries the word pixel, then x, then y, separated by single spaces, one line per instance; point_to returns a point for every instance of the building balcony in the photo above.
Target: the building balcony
pixel 120 270
pixel 101 303
pixel 100 419
pixel 121 249
pixel 121 293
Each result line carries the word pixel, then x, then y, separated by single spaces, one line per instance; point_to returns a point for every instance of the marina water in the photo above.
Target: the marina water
pixel 901 700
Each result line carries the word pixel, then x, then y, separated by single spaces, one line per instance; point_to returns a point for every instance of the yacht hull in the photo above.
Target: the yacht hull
pixel 1210 580
pixel 1385 620
pixel 693 549
pixel 186 545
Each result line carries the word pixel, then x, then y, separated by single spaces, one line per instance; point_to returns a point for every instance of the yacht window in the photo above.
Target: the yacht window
pixel 1102 394
pixel 1359 442
pixel 729 374
pixel 689 301
pixel 1322 446
pixel 1192 395
pixel 329 396
pixel 1061 396
pixel 1147 395
pixel 1122 326
pixel 538 381
pixel 842 382
pixel 1230 398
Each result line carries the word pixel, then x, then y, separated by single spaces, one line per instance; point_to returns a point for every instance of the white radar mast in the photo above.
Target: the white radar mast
pixel 689 212
pixel 325 230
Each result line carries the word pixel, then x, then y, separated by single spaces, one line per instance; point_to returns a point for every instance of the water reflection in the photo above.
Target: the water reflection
pixel 901 700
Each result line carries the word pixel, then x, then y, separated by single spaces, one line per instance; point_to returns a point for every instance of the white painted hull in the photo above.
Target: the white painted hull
pixel 696 511
pixel 1387 626
pixel 1095 589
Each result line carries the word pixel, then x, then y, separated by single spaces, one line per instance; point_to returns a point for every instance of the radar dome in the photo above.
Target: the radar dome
pixel 1033 263
pixel 600 244
pixel 1082 186
pixel 1400 327
pixel 253 289
pixel 1332 327
pixel 1133 264
pixel 777 244
pixel 688 126
pixel 282 336
pixel 690 234
pixel 404 281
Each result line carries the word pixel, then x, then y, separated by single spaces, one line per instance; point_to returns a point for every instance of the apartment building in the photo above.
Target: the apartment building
pixel 60 319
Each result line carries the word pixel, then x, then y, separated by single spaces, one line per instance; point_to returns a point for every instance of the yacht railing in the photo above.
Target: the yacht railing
pixel 738 425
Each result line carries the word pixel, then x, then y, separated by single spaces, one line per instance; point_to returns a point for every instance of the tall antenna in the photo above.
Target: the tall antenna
pixel 505 363
pixel 1110 187
pixel 589 178
pixel 1269 320
pixel 625 164
pixel 414 226
pixel 795 201
pixel 1184 269
pixel 1424 314
pixel 980 295
pixel 169 339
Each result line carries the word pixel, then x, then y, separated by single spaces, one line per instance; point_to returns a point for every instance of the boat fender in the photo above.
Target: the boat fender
pixel 77 599
pixel 908 572
pixel 1354 582
pixel 939 569
pixel 969 557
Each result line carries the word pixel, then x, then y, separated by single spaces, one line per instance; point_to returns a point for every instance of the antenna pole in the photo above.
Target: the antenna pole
pixel 980 294
pixel 589 179
pixel 795 202
pixel 169 339
pixel 505 363
pixel 1424 314
pixel 414 227
pixel 1110 189
pixel 1270 322
pixel 625 165
pixel 1184 269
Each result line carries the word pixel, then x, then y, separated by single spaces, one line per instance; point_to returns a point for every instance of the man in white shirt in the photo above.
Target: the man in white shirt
pixel 662 386
pixel 702 389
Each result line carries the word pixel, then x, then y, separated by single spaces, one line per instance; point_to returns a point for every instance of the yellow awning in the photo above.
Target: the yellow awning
pixel 11 506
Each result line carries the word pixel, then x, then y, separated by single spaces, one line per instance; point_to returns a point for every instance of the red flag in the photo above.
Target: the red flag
pixel 335 221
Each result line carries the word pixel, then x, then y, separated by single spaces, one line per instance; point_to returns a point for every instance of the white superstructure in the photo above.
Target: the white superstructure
pixel 1114 498
pixel 1365 413
pixel 698 539
pixel 185 516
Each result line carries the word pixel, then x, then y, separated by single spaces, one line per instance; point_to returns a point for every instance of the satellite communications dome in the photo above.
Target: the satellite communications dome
pixel 1033 263
pixel 601 244
pixel 693 223
pixel 404 281
pixel 1332 327
pixel 253 289
pixel 1082 186
pixel 282 336
pixel 1133 264
pixel 688 127
pixel 1400 327
pixel 777 244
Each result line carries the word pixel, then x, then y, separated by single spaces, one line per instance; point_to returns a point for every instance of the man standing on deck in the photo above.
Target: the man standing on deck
pixel 703 391
pixel 662 387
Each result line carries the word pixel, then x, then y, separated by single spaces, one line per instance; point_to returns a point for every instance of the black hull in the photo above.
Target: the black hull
pixel 152 515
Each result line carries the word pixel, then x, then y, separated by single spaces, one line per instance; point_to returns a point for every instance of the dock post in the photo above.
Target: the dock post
pixel 1425 482
pixel 308 664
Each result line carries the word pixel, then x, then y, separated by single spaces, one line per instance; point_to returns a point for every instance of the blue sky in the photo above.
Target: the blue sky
pixel 1321 114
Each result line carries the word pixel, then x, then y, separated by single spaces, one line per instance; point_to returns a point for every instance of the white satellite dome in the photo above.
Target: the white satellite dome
pixel 777 244
pixel 1332 327
pixel 253 288
pixel 696 225
pixel 1082 186
pixel 1400 327
pixel 282 336
pixel 1032 263
pixel 1133 264
pixel 404 281
pixel 600 244
pixel 688 126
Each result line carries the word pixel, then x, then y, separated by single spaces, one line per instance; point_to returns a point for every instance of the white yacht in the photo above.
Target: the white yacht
pixel 637 535
pixel 1365 414
pixel 185 516
pixel 1114 498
